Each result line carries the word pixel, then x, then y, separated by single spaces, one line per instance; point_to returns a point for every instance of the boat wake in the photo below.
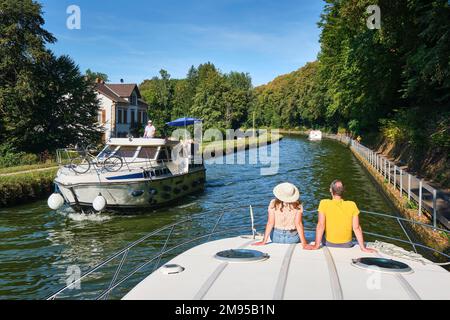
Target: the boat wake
pixel 83 216
pixel 88 217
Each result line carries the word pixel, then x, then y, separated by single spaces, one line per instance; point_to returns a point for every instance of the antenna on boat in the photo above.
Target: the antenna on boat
pixel 253 223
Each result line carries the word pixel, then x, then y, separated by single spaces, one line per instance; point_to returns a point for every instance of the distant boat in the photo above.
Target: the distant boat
pixel 315 135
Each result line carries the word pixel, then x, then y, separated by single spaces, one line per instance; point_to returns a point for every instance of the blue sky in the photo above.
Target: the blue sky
pixel 134 39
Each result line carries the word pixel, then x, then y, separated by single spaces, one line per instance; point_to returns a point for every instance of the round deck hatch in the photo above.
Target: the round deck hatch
pixel 171 269
pixel 382 265
pixel 241 255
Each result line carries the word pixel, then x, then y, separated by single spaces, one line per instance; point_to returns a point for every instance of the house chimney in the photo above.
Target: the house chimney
pixel 98 80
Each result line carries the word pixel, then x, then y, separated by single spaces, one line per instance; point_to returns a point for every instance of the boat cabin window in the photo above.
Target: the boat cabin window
pixel 126 152
pixel 148 153
pixel 162 155
pixel 107 152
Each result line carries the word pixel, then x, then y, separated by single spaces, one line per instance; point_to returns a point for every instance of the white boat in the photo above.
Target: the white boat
pixel 232 269
pixel 315 135
pixel 127 173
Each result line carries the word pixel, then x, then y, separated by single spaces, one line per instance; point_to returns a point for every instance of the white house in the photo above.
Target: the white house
pixel 121 109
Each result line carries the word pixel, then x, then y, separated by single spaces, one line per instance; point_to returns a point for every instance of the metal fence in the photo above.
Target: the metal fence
pixel 419 195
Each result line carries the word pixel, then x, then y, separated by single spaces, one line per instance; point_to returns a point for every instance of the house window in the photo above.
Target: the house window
pixel 142 117
pixel 122 116
pixel 103 116
pixel 119 116
pixel 133 117
pixel 133 99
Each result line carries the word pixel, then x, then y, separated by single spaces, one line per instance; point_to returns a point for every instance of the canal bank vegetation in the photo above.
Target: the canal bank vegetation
pixel 21 188
pixel 26 168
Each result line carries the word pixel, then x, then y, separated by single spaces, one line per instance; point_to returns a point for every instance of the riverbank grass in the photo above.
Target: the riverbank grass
pixel 26 187
pixel 18 169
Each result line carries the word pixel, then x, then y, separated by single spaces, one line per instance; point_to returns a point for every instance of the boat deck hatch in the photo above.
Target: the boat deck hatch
pixel 382 265
pixel 171 269
pixel 241 255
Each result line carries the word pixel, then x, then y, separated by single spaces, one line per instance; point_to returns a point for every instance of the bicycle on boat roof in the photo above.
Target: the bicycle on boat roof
pixel 87 159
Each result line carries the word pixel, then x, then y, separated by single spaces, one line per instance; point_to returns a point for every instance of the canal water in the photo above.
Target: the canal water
pixel 41 249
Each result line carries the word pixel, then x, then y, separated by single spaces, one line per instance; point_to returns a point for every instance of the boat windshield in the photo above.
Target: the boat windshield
pixel 126 152
pixel 106 152
pixel 148 153
pixel 134 152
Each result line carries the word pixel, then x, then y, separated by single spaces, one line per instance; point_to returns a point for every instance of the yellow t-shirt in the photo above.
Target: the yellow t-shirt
pixel 338 219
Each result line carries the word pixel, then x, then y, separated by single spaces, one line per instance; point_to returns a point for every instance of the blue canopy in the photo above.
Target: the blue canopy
pixel 182 122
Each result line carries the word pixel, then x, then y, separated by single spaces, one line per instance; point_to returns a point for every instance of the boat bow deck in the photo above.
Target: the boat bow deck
pixel 290 273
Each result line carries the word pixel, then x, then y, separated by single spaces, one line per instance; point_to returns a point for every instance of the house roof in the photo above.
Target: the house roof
pixel 106 91
pixel 118 92
pixel 124 90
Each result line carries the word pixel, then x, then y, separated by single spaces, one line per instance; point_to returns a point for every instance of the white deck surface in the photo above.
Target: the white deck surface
pixel 290 273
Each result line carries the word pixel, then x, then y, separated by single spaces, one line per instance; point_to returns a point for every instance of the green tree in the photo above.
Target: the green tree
pixel 22 47
pixel 45 102
pixel 158 93
pixel 93 76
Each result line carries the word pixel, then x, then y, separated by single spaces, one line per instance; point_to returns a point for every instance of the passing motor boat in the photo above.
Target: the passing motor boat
pixel 127 174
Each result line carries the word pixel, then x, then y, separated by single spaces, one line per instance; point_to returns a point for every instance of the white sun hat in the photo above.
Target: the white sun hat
pixel 286 192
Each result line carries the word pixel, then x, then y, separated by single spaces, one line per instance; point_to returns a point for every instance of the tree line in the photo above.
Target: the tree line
pixel 220 100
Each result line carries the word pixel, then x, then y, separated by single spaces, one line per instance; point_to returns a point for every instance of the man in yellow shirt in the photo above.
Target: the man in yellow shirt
pixel 337 218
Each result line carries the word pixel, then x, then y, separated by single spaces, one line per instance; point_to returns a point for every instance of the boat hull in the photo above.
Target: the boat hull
pixel 135 194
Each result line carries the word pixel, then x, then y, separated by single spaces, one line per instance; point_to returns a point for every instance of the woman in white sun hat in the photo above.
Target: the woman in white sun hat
pixel 284 223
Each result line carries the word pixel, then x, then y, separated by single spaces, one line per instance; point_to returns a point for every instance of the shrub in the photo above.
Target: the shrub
pixel 9 157
pixel 395 130
pixel 22 188
pixel 354 127
pixel 441 136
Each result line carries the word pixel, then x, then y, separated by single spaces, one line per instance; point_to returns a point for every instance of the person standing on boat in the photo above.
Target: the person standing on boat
pixel 150 130
pixel 337 218
pixel 284 224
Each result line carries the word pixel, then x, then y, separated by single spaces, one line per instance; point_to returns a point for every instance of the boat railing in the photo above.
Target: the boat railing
pixel 66 156
pixel 121 256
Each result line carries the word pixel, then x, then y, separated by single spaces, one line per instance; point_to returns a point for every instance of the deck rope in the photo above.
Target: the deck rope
pixel 398 252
